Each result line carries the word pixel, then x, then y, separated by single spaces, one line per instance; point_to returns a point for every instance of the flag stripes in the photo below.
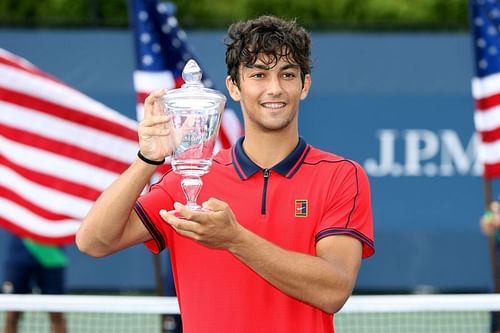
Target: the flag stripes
pixel 486 83
pixel 487 122
pixel 62 148
pixel 59 149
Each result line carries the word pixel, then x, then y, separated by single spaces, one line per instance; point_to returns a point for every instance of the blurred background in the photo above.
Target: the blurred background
pixel 333 15
pixel 391 90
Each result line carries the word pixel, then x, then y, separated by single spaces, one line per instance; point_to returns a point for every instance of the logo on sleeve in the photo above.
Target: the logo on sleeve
pixel 301 208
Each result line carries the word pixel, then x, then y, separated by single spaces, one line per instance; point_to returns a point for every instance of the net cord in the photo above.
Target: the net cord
pixel 421 303
pixel 84 303
pixel 169 305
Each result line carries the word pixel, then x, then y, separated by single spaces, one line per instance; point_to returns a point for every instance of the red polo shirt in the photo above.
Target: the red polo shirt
pixel 309 195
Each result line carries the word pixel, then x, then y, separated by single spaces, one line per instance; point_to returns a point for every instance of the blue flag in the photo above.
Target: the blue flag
pixel 161 52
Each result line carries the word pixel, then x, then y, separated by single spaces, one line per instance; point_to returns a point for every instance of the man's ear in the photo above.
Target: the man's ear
pixel 233 89
pixel 306 87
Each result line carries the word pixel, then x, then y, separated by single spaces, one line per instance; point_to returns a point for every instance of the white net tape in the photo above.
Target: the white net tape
pixel 361 314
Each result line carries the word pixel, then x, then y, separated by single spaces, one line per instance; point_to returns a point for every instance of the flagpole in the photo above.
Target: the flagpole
pixel 492 243
pixel 488 198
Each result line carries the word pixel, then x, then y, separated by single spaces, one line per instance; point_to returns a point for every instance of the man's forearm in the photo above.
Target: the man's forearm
pixel 103 229
pixel 322 282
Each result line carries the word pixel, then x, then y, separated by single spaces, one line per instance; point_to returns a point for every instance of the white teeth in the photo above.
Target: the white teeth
pixel 273 105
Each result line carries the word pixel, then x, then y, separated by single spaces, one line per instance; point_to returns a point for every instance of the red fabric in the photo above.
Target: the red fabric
pixel 218 293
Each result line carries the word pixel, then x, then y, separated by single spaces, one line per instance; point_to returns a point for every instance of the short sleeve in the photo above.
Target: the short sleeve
pixel 348 207
pixel 148 207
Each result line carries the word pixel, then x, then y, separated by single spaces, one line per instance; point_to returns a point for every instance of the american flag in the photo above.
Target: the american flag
pixel 162 51
pixel 485 26
pixel 59 149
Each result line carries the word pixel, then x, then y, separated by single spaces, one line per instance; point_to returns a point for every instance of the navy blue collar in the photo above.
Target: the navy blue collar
pixel 245 167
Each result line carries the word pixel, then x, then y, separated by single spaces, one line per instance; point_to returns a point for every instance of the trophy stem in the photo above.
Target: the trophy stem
pixel 191 186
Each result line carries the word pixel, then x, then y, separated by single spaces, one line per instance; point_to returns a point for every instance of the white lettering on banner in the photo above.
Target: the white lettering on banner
pixel 424 153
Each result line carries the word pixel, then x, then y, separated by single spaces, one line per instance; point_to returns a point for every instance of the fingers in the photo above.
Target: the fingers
pixel 152 104
pixel 214 205
pixel 215 229
pixel 155 95
pixel 186 219
pixel 153 127
pixel 154 114
pixel 185 212
pixel 181 225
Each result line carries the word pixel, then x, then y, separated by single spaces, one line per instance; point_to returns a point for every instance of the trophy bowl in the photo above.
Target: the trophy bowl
pixel 196 114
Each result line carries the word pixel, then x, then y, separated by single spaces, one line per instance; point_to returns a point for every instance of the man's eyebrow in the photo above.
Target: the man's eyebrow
pixel 267 67
pixel 288 66
pixel 258 66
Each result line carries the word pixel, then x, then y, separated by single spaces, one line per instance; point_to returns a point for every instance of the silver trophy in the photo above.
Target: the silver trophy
pixel 196 116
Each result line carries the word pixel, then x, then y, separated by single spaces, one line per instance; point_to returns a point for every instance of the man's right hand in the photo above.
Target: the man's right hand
pixel 155 133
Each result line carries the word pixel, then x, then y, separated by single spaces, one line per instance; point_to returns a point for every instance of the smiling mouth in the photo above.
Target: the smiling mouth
pixel 273 106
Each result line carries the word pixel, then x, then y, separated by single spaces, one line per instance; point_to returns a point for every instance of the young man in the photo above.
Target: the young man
pixel 286 226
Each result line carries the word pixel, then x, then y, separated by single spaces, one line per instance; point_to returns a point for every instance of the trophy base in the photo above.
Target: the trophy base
pixel 196 208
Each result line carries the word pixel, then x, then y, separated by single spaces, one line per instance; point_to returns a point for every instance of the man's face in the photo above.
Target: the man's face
pixel 270 93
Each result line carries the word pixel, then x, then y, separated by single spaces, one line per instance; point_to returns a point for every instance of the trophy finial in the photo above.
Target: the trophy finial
pixel 192 73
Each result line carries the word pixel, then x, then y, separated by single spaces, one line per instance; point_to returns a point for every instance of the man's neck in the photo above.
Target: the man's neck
pixel 268 149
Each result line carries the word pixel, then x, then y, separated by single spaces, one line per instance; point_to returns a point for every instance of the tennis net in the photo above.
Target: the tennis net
pixel 361 314
pixel 90 313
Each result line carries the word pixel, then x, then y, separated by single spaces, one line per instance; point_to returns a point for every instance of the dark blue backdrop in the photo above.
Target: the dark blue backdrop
pixel 400 99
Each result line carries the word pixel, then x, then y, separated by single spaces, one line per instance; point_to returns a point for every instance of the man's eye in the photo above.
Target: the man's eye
pixel 288 75
pixel 257 75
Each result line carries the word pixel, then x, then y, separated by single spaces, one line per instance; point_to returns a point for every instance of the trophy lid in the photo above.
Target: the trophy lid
pixel 192 93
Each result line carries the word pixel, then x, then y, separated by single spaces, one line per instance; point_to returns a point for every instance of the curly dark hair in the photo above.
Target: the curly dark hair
pixel 270 36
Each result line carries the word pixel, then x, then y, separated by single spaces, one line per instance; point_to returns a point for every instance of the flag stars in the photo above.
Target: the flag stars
pixel 161 8
pixel 486 33
pixel 166 28
pixel 143 15
pixel 156 48
pixel 182 35
pixel 157 25
pixel 147 60
pixel 172 21
pixel 482 64
pixel 176 43
pixel 145 38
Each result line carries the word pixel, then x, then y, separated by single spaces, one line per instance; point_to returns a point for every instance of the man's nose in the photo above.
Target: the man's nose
pixel 275 86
